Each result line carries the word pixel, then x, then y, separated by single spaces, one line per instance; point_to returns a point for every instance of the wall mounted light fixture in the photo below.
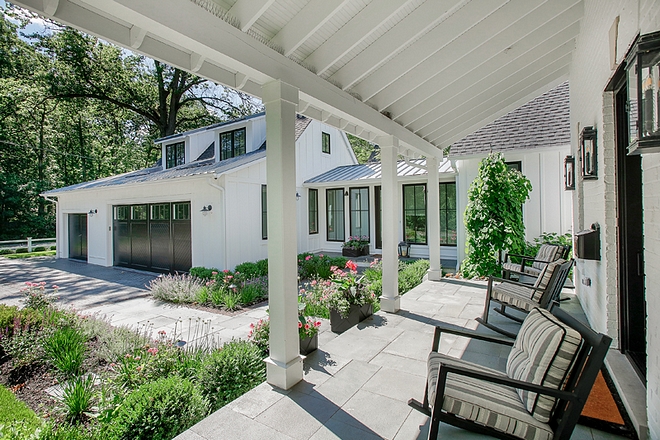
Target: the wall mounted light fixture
pixel 92 212
pixel 206 209
pixel 589 153
pixel 569 173
pixel 297 196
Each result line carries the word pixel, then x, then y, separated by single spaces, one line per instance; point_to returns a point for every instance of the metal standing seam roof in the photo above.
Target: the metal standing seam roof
pixel 372 171
pixel 203 165
pixel 542 122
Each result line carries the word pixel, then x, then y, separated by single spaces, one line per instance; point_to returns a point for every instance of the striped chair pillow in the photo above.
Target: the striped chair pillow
pixel 548 253
pixel 544 278
pixel 542 353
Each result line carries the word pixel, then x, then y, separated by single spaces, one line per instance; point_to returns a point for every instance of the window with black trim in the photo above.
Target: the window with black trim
pixel 414 213
pixel 313 210
pixel 232 143
pixel 517 165
pixel 175 154
pixel 325 142
pixel 448 213
pixel 335 214
pixel 359 206
pixel 160 211
pixel 264 213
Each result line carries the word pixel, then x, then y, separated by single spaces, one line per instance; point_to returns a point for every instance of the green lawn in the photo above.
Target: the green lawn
pixel 30 254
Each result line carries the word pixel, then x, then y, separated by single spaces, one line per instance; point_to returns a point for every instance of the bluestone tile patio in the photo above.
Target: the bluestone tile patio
pixel 355 386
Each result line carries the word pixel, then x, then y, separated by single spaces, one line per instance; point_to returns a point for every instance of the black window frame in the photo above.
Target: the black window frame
pixel 325 143
pixel 175 154
pixel 335 212
pixel 444 230
pixel 313 211
pixel 264 212
pixel 405 213
pixel 235 151
pixel 515 165
pixel 351 210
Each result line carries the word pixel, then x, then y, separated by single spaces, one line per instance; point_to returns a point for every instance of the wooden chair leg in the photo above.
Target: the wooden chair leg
pixel 502 311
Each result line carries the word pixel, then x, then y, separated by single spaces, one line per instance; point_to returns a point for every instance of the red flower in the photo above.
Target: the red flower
pixel 351 265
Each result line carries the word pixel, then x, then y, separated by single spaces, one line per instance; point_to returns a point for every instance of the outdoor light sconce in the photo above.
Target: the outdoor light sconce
pixel 643 78
pixel 297 196
pixel 206 209
pixel 569 173
pixel 92 212
pixel 588 153
pixel 404 249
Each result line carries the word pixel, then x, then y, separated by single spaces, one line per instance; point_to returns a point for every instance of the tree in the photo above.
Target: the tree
pixel 364 150
pixel 493 217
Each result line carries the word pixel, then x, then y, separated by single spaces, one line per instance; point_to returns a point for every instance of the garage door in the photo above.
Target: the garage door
pixel 78 236
pixel 153 237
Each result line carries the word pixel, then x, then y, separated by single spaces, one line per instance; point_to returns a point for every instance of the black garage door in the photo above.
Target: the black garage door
pixel 78 236
pixel 153 236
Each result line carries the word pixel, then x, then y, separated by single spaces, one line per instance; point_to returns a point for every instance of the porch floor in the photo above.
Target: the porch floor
pixel 357 384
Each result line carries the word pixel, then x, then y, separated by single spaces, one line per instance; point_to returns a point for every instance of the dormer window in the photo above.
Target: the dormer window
pixel 175 154
pixel 232 144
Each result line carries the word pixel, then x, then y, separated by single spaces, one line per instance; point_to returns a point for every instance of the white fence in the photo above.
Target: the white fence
pixel 28 242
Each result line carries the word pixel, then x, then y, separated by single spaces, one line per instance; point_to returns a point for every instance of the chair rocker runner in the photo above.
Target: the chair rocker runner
pixel 533 266
pixel 550 371
pixel 522 297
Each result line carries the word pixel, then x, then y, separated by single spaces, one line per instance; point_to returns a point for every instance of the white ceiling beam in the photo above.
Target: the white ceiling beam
pixel 522 96
pixel 482 95
pixel 406 31
pixel 310 18
pixel 196 61
pixel 249 11
pixel 363 24
pixel 523 28
pixel 497 100
pixel 50 6
pixel 136 36
pixel 467 17
pixel 411 110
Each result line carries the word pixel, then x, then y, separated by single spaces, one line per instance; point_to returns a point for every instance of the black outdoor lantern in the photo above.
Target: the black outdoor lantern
pixel 588 153
pixel 404 249
pixel 569 173
pixel 643 77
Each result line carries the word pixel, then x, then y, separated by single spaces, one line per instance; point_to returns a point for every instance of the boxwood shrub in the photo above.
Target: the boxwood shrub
pixel 39 249
pixel 6 251
pixel 21 250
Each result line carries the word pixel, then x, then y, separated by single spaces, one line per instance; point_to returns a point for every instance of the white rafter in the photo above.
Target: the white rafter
pixel 310 18
pixel 249 11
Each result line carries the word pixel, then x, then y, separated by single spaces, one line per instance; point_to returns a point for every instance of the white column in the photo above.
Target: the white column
pixel 390 300
pixel 433 216
pixel 284 367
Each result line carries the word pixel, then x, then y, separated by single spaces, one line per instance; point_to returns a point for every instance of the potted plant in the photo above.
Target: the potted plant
pixel 308 330
pixel 355 246
pixel 346 297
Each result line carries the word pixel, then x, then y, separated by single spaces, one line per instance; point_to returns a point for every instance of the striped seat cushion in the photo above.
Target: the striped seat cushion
pixel 514 294
pixel 547 253
pixel 542 353
pixel 515 267
pixel 488 404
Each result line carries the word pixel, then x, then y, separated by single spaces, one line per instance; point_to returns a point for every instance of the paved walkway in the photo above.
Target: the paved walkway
pixel 355 386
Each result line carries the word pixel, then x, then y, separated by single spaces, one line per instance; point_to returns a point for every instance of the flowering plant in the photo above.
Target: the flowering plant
pixel 37 296
pixel 260 332
pixel 307 327
pixel 356 242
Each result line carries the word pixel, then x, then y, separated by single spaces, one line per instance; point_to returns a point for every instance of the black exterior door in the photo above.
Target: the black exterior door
pixel 78 236
pixel 632 298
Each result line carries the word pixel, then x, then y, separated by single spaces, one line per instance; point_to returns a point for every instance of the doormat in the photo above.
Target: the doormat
pixel 604 409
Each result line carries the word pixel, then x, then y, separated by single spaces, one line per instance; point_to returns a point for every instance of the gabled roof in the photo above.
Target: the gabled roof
pixel 370 171
pixel 542 122
pixel 209 127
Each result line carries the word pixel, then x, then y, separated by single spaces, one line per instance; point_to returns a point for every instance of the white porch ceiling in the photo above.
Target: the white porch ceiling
pixel 428 72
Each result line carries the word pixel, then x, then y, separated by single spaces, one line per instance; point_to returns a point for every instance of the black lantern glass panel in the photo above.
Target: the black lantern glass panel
pixel 569 173
pixel 404 249
pixel 643 78
pixel 588 153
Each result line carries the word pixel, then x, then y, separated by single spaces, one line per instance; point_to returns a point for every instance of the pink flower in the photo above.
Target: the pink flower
pixel 252 325
pixel 55 286
pixel 317 324
pixel 308 257
pixel 351 265
pixel 321 255
pixel 153 351
pixel 334 268
pixel 225 271
pixel 299 324
pixel 214 273
pixel 250 334
pixel 306 326
pixel 302 290
pixel 313 283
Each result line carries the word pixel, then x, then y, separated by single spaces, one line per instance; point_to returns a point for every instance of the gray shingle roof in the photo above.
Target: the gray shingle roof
pixel 542 122
pixel 373 171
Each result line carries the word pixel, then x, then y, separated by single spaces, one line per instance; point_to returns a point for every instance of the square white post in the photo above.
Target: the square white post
pixel 390 300
pixel 433 215
pixel 284 366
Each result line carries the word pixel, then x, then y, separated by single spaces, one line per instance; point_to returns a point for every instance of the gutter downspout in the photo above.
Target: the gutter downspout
pixel 57 221
pixel 224 221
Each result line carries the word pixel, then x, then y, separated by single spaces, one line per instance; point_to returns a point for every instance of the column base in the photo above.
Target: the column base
pixel 284 376
pixel 390 305
pixel 435 275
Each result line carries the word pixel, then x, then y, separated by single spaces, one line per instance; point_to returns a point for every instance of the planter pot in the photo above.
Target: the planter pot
pixel 366 311
pixel 339 324
pixel 365 250
pixel 350 252
pixel 308 345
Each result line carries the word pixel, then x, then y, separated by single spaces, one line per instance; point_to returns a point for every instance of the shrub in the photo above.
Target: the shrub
pixel 312 266
pixel 115 344
pixel 203 295
pixel 159 410
pixel 256 288
pixel 412 275
pixel 263 267
pixel 231 371
pixel 202 272
pixel 63 431
pixel 6 251
pixel 22 250
pixel 53 248
pixel 37 296
pixel 39 249
pixel 77 397
pixel 231 300
pixel 65 349
pixel 24 347
pixel 175 288
pixel 250 270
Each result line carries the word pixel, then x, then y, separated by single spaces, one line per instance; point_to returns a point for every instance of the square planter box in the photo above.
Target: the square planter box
pixel 349 252
pixel 366 311
pixel 308 345
pixel 339 324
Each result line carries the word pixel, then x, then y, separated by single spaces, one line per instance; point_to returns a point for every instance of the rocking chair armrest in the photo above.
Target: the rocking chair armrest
pixel 469 333
pixel 502 380
pixel 516 283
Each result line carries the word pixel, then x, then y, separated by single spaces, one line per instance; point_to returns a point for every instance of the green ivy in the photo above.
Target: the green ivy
pixel 493 217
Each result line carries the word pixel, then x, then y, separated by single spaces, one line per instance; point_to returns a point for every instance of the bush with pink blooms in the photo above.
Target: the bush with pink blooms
pixel 260 331
pixel 37 296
